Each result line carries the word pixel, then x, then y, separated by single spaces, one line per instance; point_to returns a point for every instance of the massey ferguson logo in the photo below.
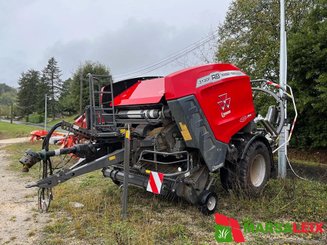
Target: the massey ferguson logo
pixel 224 103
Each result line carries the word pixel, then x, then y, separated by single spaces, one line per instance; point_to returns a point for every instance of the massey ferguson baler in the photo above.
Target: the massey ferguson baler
pixel 174 133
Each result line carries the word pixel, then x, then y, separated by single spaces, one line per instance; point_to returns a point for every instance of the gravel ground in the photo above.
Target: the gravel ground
pixel 13 141
pixel 20 222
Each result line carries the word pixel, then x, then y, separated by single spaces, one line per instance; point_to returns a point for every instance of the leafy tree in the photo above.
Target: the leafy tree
pixel 4 88
pixel 40 92
pixel 51 80
pixel 249 36
pixel 81 73
pixel 66 100
pixel 7 94
pixel 28 83
pixel 308 75
pixel 8 98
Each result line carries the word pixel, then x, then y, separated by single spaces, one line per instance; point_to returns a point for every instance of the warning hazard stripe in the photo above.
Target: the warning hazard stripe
pixel 152 183
pixel 155 182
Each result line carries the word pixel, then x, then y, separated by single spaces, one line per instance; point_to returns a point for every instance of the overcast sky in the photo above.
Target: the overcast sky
pixel 124 35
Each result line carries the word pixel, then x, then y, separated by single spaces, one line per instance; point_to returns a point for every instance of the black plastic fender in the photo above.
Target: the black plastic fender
pixel 265 141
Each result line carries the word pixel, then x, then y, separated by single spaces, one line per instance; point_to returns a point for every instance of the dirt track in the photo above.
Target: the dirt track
pixel 20 222
pixel 13 141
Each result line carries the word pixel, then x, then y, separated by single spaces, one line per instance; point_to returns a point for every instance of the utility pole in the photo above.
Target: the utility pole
pixel 282 152
pixel 11 112
pixel 81 93
pixel 45 111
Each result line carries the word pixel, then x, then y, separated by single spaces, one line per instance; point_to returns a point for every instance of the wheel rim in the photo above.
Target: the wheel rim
pixel 258 170
pixel 45 197
pixel 211 204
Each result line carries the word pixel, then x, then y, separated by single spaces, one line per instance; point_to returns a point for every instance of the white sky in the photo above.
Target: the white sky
pixel 123 35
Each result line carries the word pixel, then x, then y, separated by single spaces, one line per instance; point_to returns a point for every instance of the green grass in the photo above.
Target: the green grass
pixel 8 130
pixel 16 151
pixel 155 220
pixel 309 163
pixel 67 119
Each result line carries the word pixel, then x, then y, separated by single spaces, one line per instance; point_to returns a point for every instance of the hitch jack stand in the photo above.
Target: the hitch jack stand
pixel 127 145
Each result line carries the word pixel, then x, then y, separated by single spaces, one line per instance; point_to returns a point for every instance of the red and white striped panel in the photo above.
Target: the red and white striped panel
pixel 155 182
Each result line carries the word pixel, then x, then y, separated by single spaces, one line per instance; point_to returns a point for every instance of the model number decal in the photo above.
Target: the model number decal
pixel 217 76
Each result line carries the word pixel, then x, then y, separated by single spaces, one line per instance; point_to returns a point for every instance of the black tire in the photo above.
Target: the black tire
pixel 45 194
pixel 208 201
pixel 227 177
pixel 254 169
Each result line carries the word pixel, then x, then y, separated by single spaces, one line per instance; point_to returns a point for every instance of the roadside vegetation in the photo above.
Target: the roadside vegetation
pixel 16 151
pixel 156 220
pixel 8 130
pixel 67 119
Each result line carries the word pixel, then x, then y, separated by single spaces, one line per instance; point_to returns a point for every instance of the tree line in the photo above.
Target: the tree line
pixel 249 38
pixel 63 96
pixel 7 99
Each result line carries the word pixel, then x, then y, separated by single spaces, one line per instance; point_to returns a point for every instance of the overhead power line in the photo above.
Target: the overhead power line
pixel 170 58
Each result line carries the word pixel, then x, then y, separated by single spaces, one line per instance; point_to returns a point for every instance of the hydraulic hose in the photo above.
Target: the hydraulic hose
pixel 45 145
pixel 280 104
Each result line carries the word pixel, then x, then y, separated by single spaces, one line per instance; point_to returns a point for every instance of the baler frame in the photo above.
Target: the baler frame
pixel 110 145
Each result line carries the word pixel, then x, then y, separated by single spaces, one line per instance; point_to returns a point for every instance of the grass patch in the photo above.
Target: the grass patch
pixel 151 219
pixel 310 170
pixel 16 151
pixel 156 220
pixel 8 130
pixel 13 219
pixel 31 233
pixel 310 163
pixel 67 119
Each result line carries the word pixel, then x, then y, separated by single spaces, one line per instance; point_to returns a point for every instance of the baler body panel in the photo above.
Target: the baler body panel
pixel 185 82
pixel 196 131
pixel 223 92
pixel 142 92
pixel 228 106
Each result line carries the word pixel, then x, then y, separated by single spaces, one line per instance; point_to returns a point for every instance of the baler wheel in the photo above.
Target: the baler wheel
pixel 45 194
pixel 208 201
pixel 254 169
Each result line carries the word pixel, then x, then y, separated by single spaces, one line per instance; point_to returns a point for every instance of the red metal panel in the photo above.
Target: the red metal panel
pixel 223 92
pixel 143 92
